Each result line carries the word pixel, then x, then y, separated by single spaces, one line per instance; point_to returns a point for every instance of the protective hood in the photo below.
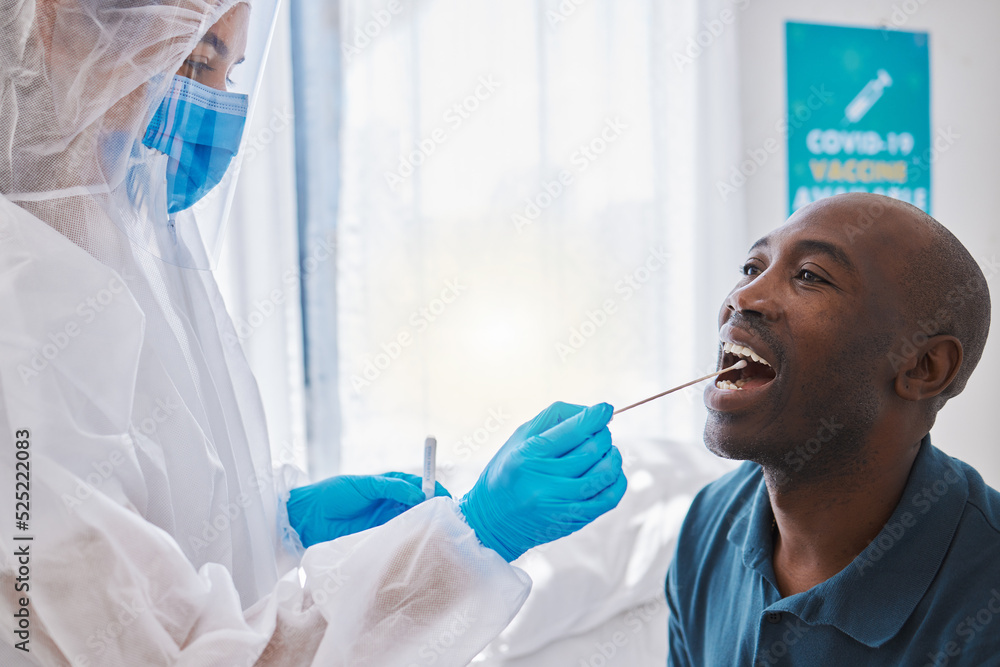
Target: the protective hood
pixel 82 80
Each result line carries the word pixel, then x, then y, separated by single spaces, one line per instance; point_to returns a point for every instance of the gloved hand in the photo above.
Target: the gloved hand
pixel 556 474
pixel 348 504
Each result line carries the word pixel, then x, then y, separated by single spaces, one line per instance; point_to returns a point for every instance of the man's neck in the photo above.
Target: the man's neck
pixel 822 526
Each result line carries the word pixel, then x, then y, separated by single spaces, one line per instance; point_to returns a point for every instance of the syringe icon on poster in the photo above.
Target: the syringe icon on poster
pixel 867 98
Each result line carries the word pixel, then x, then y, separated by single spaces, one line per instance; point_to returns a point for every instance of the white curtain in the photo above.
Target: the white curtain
pixel 529 213
pixel 258 272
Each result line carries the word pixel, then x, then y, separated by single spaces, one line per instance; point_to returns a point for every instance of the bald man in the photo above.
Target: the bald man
pixel 846 538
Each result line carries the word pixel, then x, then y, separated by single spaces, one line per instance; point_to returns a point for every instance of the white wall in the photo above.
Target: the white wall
pixel 965 92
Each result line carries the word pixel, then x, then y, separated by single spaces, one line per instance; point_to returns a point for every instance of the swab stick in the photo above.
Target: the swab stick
pixel 738 365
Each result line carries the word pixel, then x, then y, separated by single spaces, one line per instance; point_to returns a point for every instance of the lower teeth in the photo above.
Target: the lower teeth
pixel 732 386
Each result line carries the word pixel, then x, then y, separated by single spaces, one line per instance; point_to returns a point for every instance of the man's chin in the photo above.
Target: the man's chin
pixel 721 440
pixel 739 438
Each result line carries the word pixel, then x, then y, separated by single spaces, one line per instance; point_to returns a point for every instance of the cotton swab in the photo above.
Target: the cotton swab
pixel 738 365
pixel 430 466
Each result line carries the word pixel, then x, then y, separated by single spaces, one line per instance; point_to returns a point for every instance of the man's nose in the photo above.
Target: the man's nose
pixel 756 297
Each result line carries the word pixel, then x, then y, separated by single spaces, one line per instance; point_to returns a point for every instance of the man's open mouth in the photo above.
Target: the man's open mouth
pixel 757 372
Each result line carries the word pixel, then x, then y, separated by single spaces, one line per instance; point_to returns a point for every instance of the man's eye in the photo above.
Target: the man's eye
pixel 810 277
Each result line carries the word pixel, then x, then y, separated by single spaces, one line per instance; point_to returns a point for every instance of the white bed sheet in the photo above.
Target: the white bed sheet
pixel 598 598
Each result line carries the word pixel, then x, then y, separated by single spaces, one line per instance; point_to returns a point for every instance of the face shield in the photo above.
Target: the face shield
pixel 126 117
pixel 172 182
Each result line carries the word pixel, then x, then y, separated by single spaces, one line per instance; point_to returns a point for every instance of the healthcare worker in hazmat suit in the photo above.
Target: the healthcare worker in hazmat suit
pixel 141 521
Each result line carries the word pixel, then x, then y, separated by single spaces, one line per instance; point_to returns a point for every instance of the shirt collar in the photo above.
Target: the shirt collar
pixel 872 598
pixel 752 532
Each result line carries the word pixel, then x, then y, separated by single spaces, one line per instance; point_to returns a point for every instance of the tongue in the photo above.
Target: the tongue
pixel 755 381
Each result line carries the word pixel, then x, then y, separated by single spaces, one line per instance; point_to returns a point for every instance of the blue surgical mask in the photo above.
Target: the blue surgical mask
pixel 199 129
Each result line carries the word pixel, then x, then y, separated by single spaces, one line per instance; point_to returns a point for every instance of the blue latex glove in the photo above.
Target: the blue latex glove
pixel 556 474
pixel 348 504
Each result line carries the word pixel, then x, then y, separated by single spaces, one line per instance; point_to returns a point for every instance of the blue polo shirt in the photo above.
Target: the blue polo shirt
pixel 925 592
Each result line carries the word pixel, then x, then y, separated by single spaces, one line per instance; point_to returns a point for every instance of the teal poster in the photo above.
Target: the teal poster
pixel 858 113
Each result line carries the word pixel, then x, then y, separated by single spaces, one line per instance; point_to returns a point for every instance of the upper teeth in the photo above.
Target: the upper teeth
pixel 741 351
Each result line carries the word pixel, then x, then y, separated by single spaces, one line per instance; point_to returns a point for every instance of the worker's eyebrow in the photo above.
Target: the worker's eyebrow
pixel 213 40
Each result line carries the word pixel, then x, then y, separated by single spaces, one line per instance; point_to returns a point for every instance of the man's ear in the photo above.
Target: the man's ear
pixel 930 369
